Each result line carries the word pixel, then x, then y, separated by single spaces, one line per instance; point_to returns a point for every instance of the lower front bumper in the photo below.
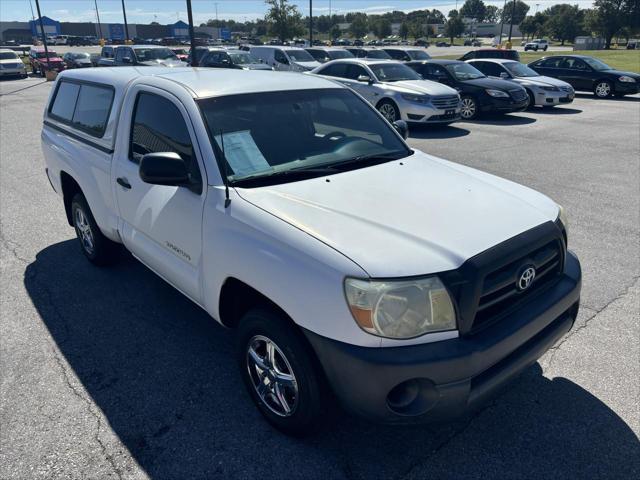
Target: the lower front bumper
pixel 442 380
pixel 13 73
pixel 626 88
pixel 546 100
pixel 503 106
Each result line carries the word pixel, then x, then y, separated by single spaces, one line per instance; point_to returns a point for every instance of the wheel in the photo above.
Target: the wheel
pixel 95 246
pixel 468 108
pixel 603 89
pixel 279 372
pixel 389 110
pixel 545 48
pixel 532 100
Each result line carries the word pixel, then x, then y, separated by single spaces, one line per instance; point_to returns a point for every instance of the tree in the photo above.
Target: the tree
pixel 564 22
pixel 359 25
pixel 284 19
pixel 454 26
pixel 608 18
pixel 519 12
pixel 335 32
pixel 404 30
pixel 381 27
pixel 491 14
pixel 474 9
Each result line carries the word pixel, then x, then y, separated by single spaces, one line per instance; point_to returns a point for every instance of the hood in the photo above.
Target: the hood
pixel 256 66
pixel 428 215
pixel 490 83
pixel 621 72
pixel 421 86
pixel 165 63
pixel 543 81
pixel 307 65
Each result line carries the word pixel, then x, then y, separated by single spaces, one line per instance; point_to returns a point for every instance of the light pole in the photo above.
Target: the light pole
pixel 504 12
pixel 126 27
pixel 194 57
pixel 513 11
pixel 44 37
pixel 311 23
pixel 98 17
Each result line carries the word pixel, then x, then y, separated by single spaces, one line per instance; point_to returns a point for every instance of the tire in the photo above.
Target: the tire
pixel 532 100
pixel 98 249
pixel 389 110
pixel 469 108
pixel 603 89
pixel 295 404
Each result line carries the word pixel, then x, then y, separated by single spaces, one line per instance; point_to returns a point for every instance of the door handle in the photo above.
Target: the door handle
pixel 123 182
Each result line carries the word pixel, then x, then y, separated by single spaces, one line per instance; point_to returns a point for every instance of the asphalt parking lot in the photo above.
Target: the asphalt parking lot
pixel 111 373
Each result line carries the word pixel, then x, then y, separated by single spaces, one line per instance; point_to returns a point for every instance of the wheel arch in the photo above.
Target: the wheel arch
pixel 70 187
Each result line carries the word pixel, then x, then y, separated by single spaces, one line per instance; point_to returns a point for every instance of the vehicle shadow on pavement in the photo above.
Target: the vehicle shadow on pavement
pixel 430 131
pixel 506 120
pixel 556 110
pixel 163 374
pixel 627 98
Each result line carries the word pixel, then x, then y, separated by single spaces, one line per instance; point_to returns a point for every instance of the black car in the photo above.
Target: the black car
pixel 588 74
pixel 326 54
pixel 479 93
pixel 77 60
pixel 491 53
pixel 369 52
pixel 237 59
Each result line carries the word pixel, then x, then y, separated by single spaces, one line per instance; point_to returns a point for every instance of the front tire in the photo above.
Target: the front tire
pixel 603 89
pixel 532 100
pixel 98 249
pixel 468 108
pixel 280 372
pixel 389 110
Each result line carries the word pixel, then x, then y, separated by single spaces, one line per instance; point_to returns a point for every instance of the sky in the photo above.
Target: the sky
pixel 169 11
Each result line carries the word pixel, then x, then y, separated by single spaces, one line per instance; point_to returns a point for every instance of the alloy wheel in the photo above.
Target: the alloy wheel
pixel 272 376
pixel 84 231
pixel 468 108
pixel 388 111
pixel 603 89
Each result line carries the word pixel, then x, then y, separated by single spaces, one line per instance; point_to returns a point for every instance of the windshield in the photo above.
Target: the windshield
pixel 146 54
pixel 337 54
pixel 52 54
pixel 418 55
pixel 9 56
pixel 393 72
pixel 243 58
pixel 597 64
pixel 520 70
pixel 77 56
pixel 300 56
pixel 463 71
pixel 381 54
pixel 274 137
pixel 179 51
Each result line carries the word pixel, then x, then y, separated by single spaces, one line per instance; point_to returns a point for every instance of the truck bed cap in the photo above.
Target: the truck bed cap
pixel 205 82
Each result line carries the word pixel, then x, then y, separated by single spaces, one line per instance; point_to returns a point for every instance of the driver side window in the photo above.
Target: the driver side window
pixel 355 71
pixel 280 57
pixel 574 64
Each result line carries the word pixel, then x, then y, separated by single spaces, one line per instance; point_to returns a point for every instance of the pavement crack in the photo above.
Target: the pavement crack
pixel 12 247
pixel 585 324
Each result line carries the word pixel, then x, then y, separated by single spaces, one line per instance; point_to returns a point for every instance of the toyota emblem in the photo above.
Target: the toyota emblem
pixel 526 278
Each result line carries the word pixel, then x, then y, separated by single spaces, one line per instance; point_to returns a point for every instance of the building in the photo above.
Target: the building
pixel 24 32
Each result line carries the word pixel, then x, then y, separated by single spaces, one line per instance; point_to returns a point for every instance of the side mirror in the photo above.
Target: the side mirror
pixel 365 79
pixel 164 168
pixel 402 128
pixel 126 60
pixel 505 75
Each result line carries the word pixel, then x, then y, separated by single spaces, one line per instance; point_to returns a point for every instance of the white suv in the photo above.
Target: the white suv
pixel 289 210
pixel 536 45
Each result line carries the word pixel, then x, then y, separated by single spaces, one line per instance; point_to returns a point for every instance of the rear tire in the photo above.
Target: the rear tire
pixel 98 249
pixel 287 386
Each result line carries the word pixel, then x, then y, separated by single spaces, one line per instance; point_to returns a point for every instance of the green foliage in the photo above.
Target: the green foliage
pixel 359 25
pixel 474 9
pixel 519 11
pixel 285 21
pixel 563 22
pixel 454 26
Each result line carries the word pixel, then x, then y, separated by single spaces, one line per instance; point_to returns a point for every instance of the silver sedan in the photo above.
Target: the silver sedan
pixel 397 91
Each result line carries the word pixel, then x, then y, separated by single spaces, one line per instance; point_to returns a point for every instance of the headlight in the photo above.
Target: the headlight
pixel 400 308
pixel 497 93
pixel 416 98
pixel 627 79
pixel 550 89
pixel 564 219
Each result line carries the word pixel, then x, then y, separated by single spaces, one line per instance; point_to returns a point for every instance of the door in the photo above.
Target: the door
pixel 281 62
pixel 370 91
pixel 550 67
pixel 161 225
pixel 577 73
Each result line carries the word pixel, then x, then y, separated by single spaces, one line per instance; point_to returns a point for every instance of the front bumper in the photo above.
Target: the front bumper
pixel 627 88
pixel 12 72
pixel 443 380
pixel 417 113
pixel 545 98
pixel 502 104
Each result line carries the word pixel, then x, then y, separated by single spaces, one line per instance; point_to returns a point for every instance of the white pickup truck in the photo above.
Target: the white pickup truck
pixel 291 211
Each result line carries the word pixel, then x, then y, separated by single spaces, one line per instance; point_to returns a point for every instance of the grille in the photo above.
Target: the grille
pixel 10 65
pixel 518 94
pixel 500 293
pixel 445 101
